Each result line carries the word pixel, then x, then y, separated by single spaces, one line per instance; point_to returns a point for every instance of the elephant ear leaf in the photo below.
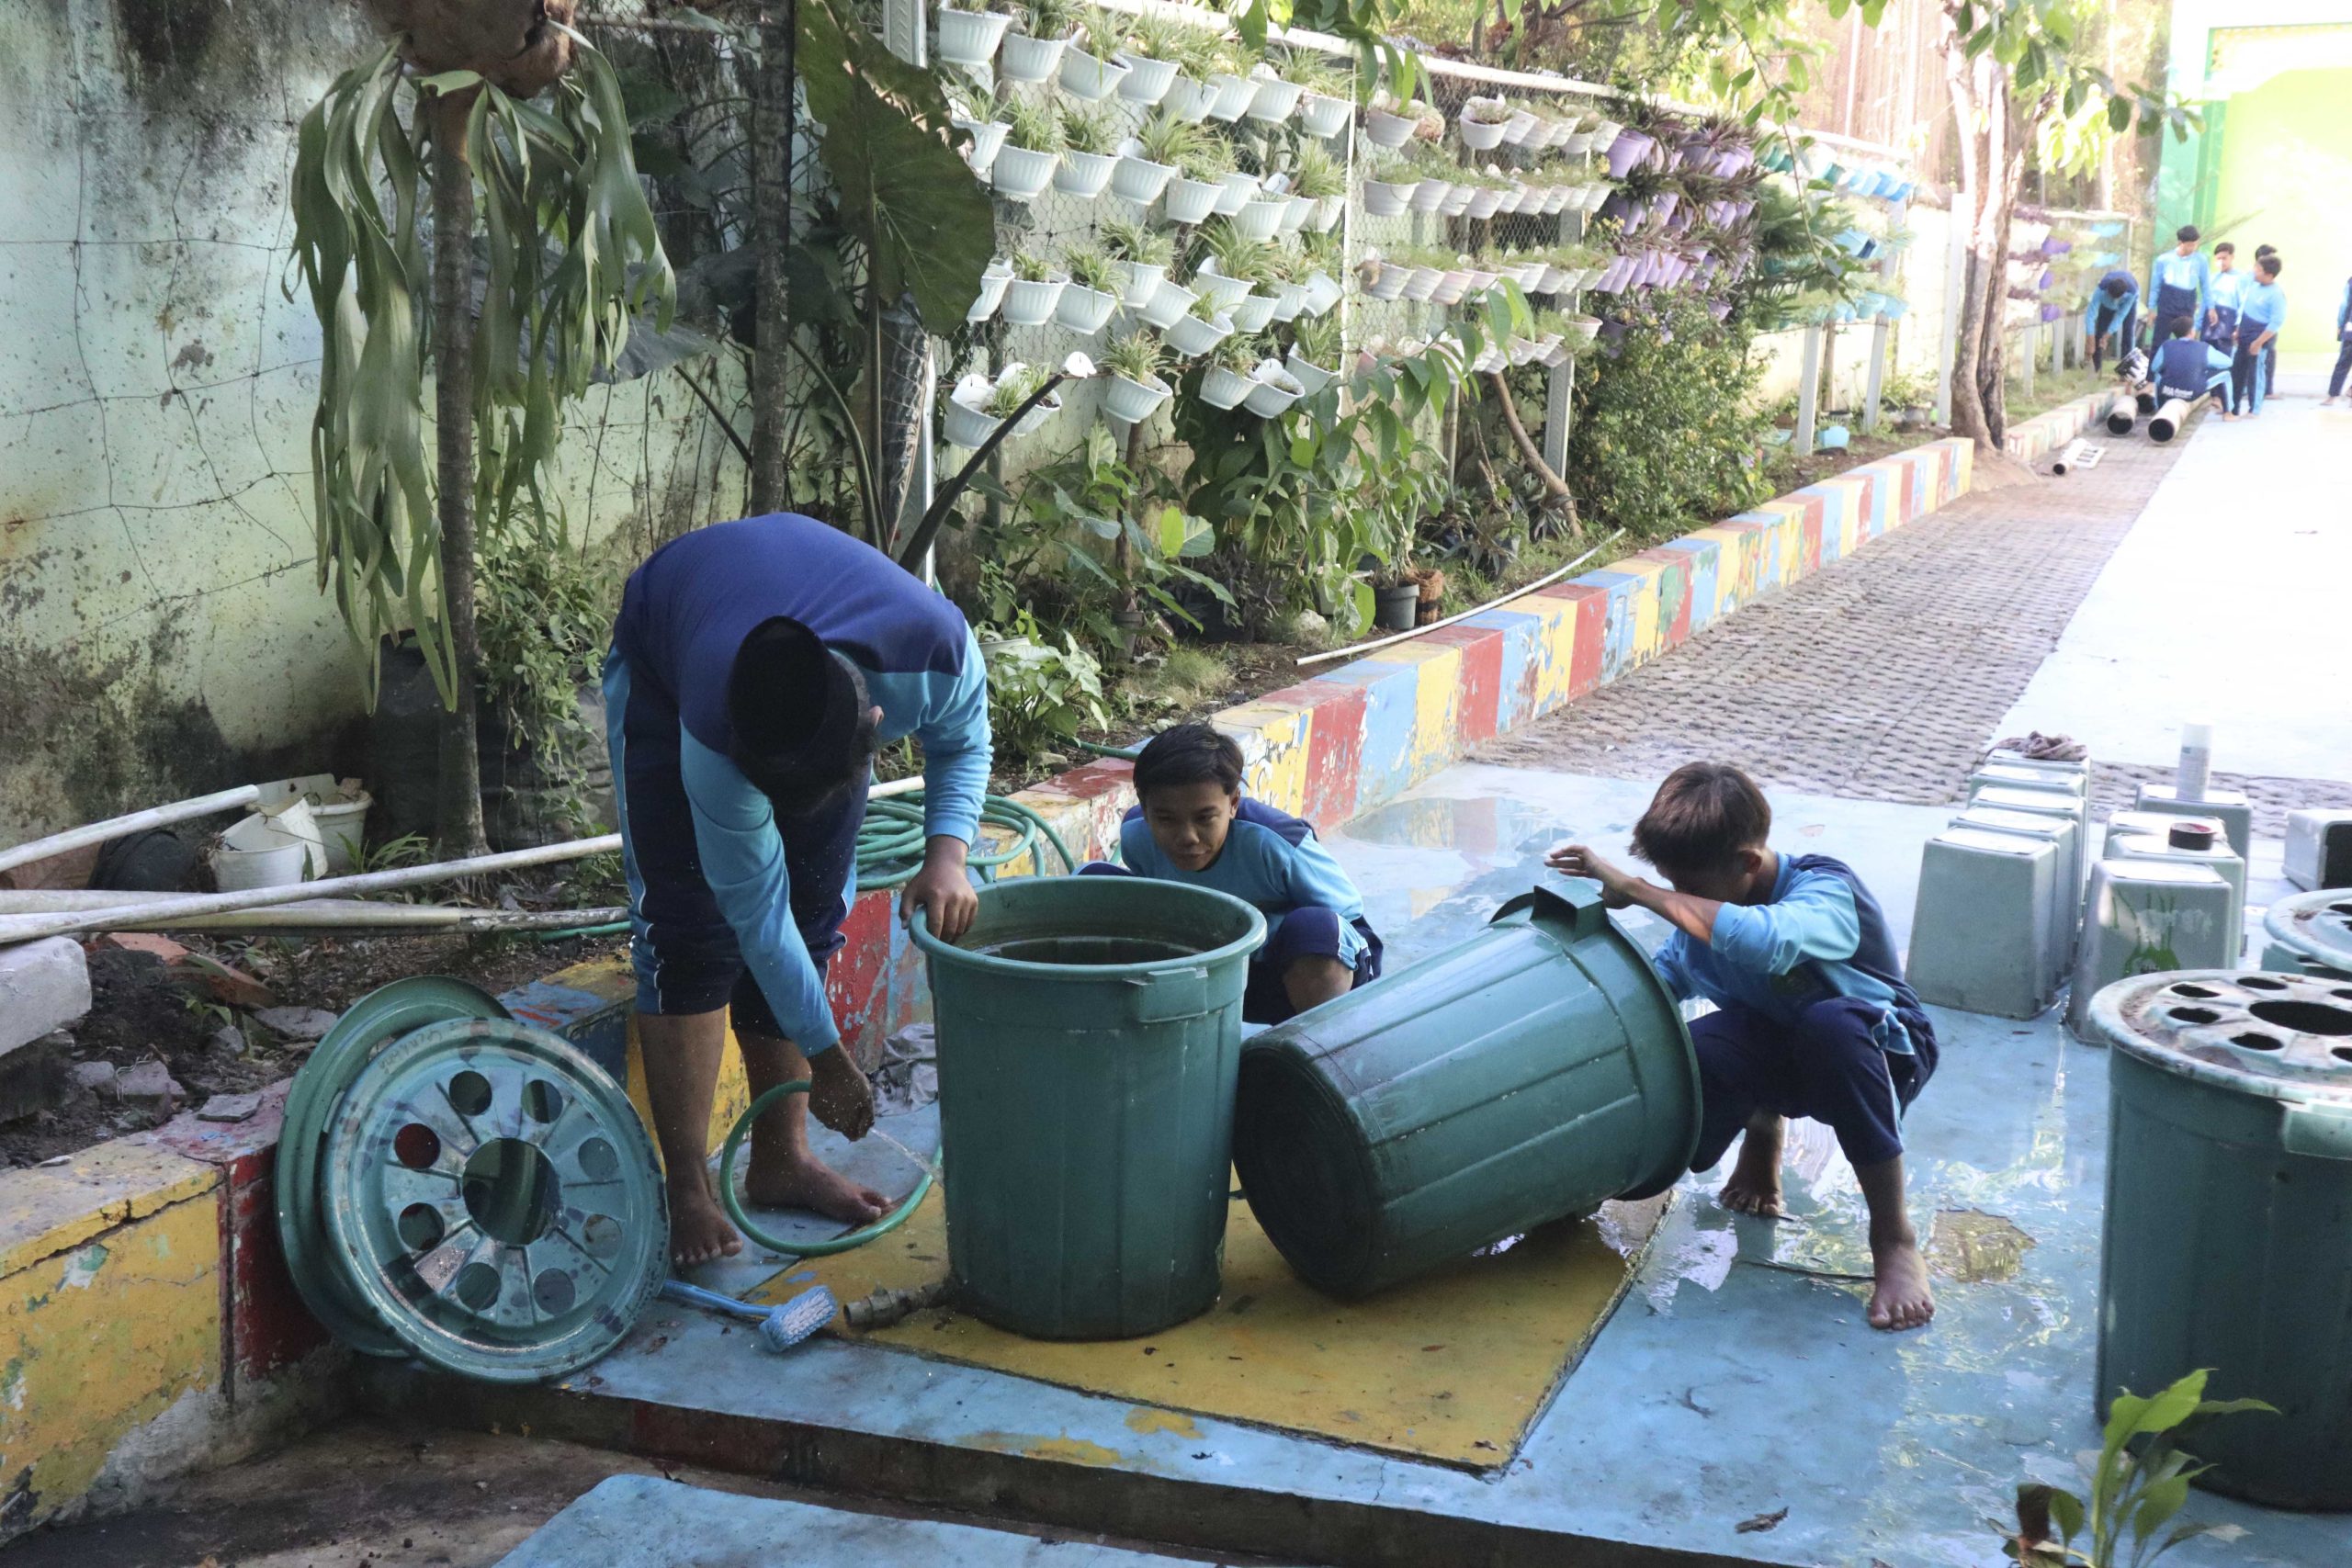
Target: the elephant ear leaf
pixel 907 195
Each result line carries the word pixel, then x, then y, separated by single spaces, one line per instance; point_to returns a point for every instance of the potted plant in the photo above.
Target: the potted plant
pixel 1088 139
pixel 1199 328
pixel 1014 386
pixel 1169 303
pixel 1034 292
pixel 1276 99
pixel 1033 51
pixel 997 274
pixel 1234 88
pixel 1155 49
pixel 1327 94
pixel 967 424
pixel 1096 285
pixel 1092 70
pixel 1152 157
pixel 1631 145
pixel 1136 390
pixel 973 110
pixel 1229 261
pixel 969 37
pixel 1225 381
pixel 1314 351
pixel 1387 123
pixel 1273 390
pixel 1032 150
pixel 1142 252
pixel 1481 123
pixel 1193 195
pixel 1321 178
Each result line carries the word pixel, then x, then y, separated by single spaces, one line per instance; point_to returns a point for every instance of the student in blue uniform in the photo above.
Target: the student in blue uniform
pixel 2180 284
pixel 755 667
pixel 2220 326
pixel 2262 310
pixel 1193 824
pixel 2344 348
pixel 1812 1016
pixel 2270 354
pixel 2114 309
pixel 2188 368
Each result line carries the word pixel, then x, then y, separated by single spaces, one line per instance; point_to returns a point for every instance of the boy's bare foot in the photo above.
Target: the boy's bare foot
pixel 1754 1187
pixel 810 1183
pixel 838 1095
pixel 1901 1299
pixel 699 1230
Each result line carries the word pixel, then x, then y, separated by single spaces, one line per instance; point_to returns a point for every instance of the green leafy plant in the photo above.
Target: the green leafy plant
pixel 545 616
pixel 1238 352
pixel 1315 71
pixel 1164 139
pixel 1013 390
pixel 1126 239
pixel 1085 129
pixel 1049 18
pixel 1032 125
pixel 1138 357
pixel 1104 33
pixel 1319 173
pixel 1487 111
pixel 1207 159
pixel 1317 339
pixel 1155 36
pixel 1236 254
pixel 1040 691
pixel 1090 268
pixel 1030 267
pixel 2138 1483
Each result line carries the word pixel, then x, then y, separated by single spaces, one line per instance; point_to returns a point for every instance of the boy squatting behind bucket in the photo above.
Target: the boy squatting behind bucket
pixel 1813 1015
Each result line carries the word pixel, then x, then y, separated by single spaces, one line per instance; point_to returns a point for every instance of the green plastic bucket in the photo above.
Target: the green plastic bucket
pixel 1089 1032
pixel 2229 1217
pixel 1520 1077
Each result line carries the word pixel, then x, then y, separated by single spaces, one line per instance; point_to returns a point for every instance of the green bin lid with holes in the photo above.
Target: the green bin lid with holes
pixel 2316 926
pixel 2286 1037
pixel 494 1200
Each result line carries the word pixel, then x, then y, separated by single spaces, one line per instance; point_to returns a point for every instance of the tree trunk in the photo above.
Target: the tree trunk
pixel 1529 453
pixel 458 831
pixel 1983 291
pixel 772 228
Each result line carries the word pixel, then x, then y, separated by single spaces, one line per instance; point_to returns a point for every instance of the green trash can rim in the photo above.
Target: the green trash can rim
pixel 2317 926
pixel 2202 1024
pixel 1253 937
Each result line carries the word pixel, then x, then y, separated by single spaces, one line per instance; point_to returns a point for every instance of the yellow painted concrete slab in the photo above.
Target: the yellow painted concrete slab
pixel 1452 1368
pixel 1274 739
pixel 105 1333
pixel 49 1208
pixel 1437 688
pixel 727 1105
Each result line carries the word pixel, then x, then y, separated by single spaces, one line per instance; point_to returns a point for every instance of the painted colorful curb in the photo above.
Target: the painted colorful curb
pixel 145 1272
pixel 2045 432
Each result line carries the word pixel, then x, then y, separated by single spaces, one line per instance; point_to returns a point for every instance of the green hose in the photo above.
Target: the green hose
pixel 1124 753
pixel 881 1227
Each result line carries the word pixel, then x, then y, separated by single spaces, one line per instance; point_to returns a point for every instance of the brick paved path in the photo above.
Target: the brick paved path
pixel 1881 677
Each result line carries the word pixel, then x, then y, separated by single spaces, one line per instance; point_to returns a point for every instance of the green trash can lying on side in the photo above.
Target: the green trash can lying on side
pixel 1088 1031
pixel 2229 1217
pixel 1523 1076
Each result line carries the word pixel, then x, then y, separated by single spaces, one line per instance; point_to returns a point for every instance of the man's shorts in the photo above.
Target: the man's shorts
pixel 685 955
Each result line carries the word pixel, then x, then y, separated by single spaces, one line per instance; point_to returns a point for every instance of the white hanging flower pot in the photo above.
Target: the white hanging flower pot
pixel 1144 279
pixel 1030 303
pixel 992 281
pixel 1272 391
pixel 969 37
pixel 1087 78
pixel 1276 99
pixel 1484 202
pixel 1190 200
pixel 1422 283
pixel 1148 80
pixel 1449 287
pixel 1431 193
pixel 1583 329
pixel 1252 312
pixel 1480 135
pixel 1192 337
pixel 1141 180
pixel 1290 301
pixel 1235 191
pixel 1313 378
pixel 988 138
pixel 1083 175
pixel 1327 213
pixel 1296 210
pixel 1385 199
pixel 1188 100
pixel 1324 116
pixel 1085 311
pixel 965 425
pixel 1024 59
pixel 1223 292
pixel 1529 276
pixel 1384 130
pixel 1234 95
pixel 1261 217
pixel 1579 143
pixel 1035 420
pixel 1131 403
pixel 1388 281
pixel 1457 200
pixel 1169 304
pixel 1223 389
pixel 1554 280
pixel 1323 291
pixel 1019 173
pixel 1557 199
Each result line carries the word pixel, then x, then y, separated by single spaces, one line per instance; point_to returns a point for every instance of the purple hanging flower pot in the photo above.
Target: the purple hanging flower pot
pixel 2051 312
pixel 1626 151
pixel 1666 202
pixel 1678 223
pixel 1719 310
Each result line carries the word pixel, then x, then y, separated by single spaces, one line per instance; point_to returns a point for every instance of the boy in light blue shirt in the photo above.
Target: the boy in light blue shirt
pixel 1812 1016
pixel 2262 310
pixel 1193 824
pixel 2344 350
pixel 2180 284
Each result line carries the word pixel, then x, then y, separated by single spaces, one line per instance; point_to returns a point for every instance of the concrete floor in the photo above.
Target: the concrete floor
pixel 1737 1384
pixel 2222 604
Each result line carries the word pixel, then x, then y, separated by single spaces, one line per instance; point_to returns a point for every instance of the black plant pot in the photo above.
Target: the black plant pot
pixel 1395 609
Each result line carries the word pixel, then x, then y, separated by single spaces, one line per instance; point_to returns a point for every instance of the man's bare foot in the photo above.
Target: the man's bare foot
pixel 838 1095
pixel 699 1230
pixel 1901 1299
pixel 1754 1184
pixel 810 1183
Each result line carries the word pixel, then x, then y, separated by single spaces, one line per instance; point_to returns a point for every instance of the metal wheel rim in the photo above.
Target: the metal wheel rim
pixel 366 1028
pixel 494 1198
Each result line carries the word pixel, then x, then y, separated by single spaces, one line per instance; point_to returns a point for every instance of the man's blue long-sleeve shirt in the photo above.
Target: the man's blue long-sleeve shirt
pixel 2190 273
pixel 2262 302
pixel 1819 935
pixel 1271 859
pixel 683 617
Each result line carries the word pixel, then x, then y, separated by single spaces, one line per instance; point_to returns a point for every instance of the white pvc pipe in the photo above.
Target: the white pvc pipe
pixel 316 914
pixel 2166 422
pixel 29 928
pixel 2071 457
pixel 116 826
pixel 1544 581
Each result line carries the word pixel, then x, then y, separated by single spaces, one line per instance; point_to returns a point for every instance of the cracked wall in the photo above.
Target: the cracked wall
pixel 160 629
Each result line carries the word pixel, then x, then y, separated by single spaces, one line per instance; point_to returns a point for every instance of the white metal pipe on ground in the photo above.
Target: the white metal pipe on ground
pixel 2169 419
pixel 30 928
pixel 316 914
pixel 2070 458
pixel 137 821
pixel 2124 415
pixel 1546 581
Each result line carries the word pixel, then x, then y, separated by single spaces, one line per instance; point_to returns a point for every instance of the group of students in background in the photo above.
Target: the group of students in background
pixel 2214 329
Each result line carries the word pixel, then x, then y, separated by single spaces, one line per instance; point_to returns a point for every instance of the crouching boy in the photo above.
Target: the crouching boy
pixel 1193 824
pixel 1813 1015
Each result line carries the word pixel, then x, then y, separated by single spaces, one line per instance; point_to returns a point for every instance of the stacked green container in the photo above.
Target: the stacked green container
pixel 2229 1216
pixel 1520 1077
pixel 1089 1032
